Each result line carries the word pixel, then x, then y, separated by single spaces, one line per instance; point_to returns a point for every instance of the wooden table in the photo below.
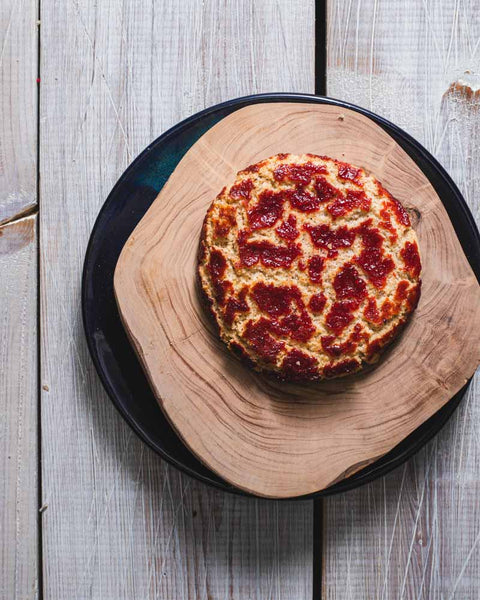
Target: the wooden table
pixel 87 510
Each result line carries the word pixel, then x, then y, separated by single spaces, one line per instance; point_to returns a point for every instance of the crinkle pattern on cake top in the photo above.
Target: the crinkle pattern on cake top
pixel 309 266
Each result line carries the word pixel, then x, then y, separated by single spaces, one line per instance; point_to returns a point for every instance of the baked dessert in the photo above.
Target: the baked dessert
pixel 309 266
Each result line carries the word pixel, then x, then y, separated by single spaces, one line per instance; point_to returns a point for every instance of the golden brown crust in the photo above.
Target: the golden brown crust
pixel 308 266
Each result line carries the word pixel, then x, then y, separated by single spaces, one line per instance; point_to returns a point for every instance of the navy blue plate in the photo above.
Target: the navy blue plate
pixel 113 357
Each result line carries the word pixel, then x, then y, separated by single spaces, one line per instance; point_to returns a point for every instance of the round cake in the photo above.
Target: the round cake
pixel 309 266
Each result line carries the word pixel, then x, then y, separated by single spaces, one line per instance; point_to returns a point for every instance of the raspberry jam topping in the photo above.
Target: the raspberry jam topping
pixel 286 302
pixel 330 239
pixel 349 284
pixel 268 210
pixel 325 191
pixel 386 224
pixel 340 315
pixel 317 303
pixel 401 291
pixel 401 214
pixel 411 258
pixel 288 229
pixel 217 266
pixel 348 172
pixel 301 174
pixel 371 237
pixel 347 347
pixel 252 168
pixel 236 305
pixel 275 300
pixel 262 342
pixel 297 326
pixel 341 368
pixel 345 204
pixel 268 254
pixel 315 268
pixel 298 365
pixel 303 200
pixel 376 265
pixel 371 312
pixel 241 190
pixel 226 220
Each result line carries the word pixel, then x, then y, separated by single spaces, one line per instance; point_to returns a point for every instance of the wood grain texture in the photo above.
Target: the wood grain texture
pixel 18 407
pixel 119 523
pixel 415 533
pixel 18 107
pixel 274 439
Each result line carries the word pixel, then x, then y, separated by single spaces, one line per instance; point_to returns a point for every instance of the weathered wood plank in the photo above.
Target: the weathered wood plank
pixel 120 523
pixel 415 533
pixel 18 409
pixel 18 107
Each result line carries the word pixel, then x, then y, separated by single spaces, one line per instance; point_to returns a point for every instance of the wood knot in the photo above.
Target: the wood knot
pixel 414 215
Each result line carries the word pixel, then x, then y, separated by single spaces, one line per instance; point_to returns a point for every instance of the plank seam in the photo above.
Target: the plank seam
pixel 39 344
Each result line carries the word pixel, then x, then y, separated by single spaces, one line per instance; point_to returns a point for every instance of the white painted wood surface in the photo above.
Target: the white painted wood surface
pixel 18 107
pixel 118 522
pixel 415 533
pixel 18 410
pixel 18 301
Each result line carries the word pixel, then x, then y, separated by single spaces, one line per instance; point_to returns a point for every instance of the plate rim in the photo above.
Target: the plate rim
pixel 394 457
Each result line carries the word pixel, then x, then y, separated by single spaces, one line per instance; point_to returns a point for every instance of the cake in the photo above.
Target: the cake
pixel 308 266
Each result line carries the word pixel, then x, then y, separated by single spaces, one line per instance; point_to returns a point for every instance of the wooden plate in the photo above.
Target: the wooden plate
pixel 111 352
pixel 279 440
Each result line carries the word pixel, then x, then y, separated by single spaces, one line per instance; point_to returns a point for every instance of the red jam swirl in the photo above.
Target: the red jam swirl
pixel 376 266
pixel 267 211
pixel 287 230
pixel 317 303
pixel 297 326
pixel 298 365
pixel 401 291
pixel 330 239
pixel 347 347
pixel 345 204
pixel 217 266
pixel 242 190
pixel 303 200
pixel 341 368
pixel 371 312
pixel 226 220
pixel 261 341
pixel 276 300
pixel 386 224
pixel 285 302
pixel 315 268
pixel 348 172
pixel 340 315
pixel 236 305
pixel 348 284
pixel 325 191
pixel 301 174
pixel 252 168
pixel 268 254
pixel 411 258
pixel 401 214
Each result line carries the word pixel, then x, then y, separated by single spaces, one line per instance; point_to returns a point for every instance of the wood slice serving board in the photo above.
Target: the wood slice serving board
pixel 274 439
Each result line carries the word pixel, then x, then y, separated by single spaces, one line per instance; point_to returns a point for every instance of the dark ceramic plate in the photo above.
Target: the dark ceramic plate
pixel 114 359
